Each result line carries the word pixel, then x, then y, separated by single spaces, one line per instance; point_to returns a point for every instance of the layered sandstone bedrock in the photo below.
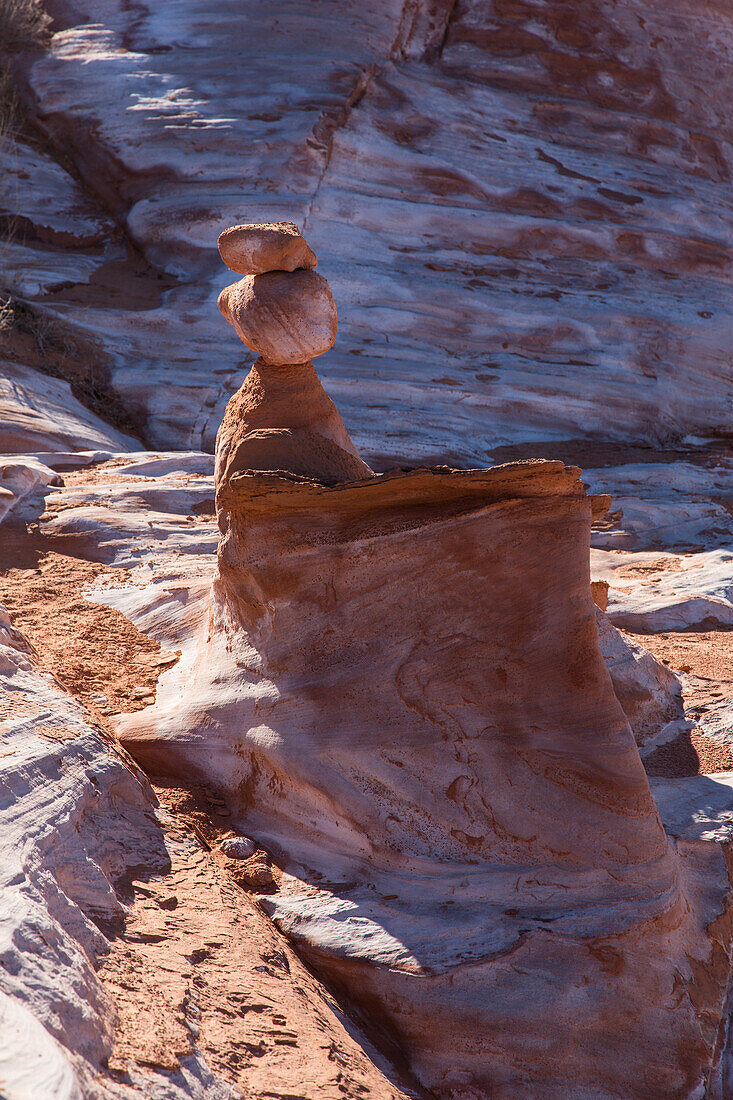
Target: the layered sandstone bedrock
pixel 284 316
pixel 399 689
pixel 527 204
pixel 268 246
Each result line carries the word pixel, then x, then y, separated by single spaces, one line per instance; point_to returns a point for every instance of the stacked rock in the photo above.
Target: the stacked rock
pixel 281 419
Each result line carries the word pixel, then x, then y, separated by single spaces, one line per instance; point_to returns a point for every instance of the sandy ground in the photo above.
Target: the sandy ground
pixel 200 962
pixel 93 651
pixel 706 660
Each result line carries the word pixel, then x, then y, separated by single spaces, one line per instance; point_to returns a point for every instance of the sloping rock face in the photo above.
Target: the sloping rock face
pixel 648 691
pixel 402 693
pixel 524 206
pixel 75 819
pixel 132 964
pixel 38 413
pixel 400 690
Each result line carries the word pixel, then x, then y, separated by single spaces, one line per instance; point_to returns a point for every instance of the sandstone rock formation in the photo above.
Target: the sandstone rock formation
pixel 75 819
pixel 649 692
pixel 132 965
pixel 524 206
pixel 38 413
pixel 256 305
pixel 524 209
pixel 428 737
pixel 281 418
pixel 151 517
pixel 399 690
pixel 20 478
pixel 256 249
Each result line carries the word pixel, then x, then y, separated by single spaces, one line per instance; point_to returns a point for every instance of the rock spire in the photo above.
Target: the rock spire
pixel 399 691
pixel 281 418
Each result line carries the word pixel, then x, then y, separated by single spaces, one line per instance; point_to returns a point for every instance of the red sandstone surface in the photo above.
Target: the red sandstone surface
pixel 424 818
pixel 400 692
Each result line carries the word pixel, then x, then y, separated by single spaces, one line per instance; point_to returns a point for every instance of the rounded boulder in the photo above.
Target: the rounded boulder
pixel 286 317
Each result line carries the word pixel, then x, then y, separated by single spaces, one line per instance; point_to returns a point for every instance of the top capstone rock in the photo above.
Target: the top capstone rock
pixel 270 246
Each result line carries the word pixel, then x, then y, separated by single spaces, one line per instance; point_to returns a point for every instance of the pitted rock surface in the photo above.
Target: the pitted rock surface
pixel 255 249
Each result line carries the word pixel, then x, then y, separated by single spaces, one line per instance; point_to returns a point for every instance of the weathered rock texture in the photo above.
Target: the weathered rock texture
pixel 399 688
pixel 286 317
pixel 151 517
pixel 133 965
pixel 75 819
pixel 255 249
pixel 524 206
pixel 38 413
pixel 282 418
pixel 401 692
pixel 648 691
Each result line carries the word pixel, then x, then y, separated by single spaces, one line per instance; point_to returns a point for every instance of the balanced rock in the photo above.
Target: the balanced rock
pixel 286 317
pixel 400 689
pixel 283 419
pixel 271 246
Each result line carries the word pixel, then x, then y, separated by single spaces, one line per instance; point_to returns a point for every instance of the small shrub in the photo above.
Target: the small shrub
pixel 47 334
pixel 23 23
pixel 8 107
pixel 7 319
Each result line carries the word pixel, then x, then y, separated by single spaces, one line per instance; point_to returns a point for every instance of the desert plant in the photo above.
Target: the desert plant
pixel 40 339
pixel 6 314
pixel 23 23
pixel 8 107
pixel 48 335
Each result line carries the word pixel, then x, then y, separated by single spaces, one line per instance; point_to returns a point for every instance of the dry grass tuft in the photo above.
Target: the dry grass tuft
pixel 6 314
pixel 17 316
pixel 23 24
pixel 9 107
